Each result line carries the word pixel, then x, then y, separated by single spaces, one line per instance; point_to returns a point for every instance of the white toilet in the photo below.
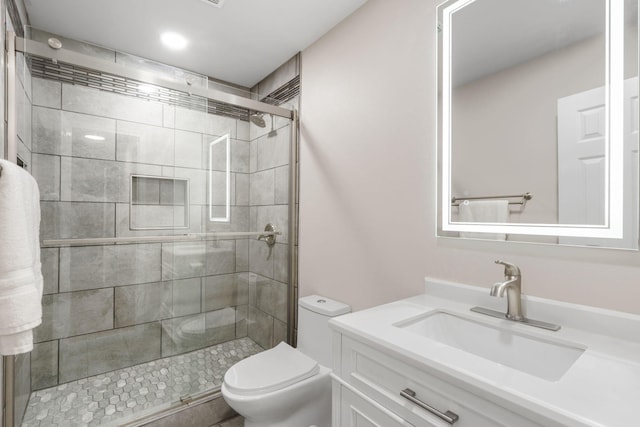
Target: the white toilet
pixel 284 386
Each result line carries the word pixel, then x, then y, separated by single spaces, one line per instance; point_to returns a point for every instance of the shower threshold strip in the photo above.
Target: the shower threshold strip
pixel 121 396
pixel 55 243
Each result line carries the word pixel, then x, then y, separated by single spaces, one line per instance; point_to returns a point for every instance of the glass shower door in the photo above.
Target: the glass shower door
pixel 152 203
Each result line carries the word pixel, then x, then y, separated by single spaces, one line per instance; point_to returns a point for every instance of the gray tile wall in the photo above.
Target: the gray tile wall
pixel 277 78
pixel 265 320
pixel 108 307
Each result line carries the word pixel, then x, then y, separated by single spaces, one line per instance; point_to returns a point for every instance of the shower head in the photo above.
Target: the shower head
pixel 257 119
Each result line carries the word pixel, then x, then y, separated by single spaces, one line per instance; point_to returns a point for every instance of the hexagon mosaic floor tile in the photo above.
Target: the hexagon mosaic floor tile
pixel 116 397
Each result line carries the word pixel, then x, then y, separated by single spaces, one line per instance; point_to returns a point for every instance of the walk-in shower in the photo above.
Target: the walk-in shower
pixel 155 194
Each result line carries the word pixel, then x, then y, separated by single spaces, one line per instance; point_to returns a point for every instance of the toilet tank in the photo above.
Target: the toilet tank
pixel 314 334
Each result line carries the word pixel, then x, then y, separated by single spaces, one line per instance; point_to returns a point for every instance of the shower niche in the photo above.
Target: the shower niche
pixel 158 203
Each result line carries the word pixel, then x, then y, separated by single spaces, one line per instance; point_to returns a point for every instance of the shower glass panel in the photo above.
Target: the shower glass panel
pixel 167 289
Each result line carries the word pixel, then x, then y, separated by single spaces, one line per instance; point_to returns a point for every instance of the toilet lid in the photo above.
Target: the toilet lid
pixel 270 370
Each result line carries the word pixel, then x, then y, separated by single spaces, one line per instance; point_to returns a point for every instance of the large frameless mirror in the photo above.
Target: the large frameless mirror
pixel 538 121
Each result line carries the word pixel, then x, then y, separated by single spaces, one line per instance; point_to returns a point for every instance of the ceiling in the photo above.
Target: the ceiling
pixel 491 35
pixel 241 42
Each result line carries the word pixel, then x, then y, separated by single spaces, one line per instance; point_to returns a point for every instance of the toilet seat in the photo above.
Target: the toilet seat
pixel 270 371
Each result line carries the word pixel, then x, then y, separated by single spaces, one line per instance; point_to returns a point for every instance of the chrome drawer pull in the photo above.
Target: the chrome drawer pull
pixel 448 416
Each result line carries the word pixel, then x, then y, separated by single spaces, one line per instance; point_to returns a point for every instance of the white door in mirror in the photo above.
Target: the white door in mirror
pixel 582 164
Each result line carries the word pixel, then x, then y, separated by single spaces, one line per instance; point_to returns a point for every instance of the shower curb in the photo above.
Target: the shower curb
pixel 168 416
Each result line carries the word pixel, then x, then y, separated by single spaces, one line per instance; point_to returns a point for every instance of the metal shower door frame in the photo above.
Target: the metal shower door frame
pixel 11 154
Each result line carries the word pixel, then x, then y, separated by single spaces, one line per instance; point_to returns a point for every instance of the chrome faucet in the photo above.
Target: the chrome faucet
pixel 513 287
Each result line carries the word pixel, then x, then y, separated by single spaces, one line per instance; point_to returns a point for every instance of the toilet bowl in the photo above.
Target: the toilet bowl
pixel 279 393
pixel 284 386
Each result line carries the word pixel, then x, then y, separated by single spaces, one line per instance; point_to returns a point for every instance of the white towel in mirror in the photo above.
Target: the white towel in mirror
pixel 484 211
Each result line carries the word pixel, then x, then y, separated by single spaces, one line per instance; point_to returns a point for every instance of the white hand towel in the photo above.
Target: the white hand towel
pixel 20 269
pixel 491 211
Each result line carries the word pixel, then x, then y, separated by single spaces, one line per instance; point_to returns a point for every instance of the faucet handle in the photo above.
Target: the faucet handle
pixel 509 269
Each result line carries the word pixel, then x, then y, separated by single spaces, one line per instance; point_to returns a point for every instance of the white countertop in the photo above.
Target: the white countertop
pixel 602 388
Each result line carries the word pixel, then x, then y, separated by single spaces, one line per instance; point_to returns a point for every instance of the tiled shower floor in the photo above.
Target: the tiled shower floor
pixel 123 395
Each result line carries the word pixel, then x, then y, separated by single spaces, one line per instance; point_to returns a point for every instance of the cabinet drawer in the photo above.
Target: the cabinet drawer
pixel 382 378
pixel 356 411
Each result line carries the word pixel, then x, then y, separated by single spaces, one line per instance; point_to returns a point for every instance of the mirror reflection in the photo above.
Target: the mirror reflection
pixel 219 199
pixel 528 119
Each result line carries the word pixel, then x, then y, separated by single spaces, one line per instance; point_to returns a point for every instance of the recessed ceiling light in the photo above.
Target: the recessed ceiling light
pixel 95 137
pixel 174 41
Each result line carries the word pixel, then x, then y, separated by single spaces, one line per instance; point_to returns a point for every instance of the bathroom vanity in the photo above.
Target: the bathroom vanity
pixel 430 361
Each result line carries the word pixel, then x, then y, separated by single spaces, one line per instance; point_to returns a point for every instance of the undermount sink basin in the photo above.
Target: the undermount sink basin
pixel 545 359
